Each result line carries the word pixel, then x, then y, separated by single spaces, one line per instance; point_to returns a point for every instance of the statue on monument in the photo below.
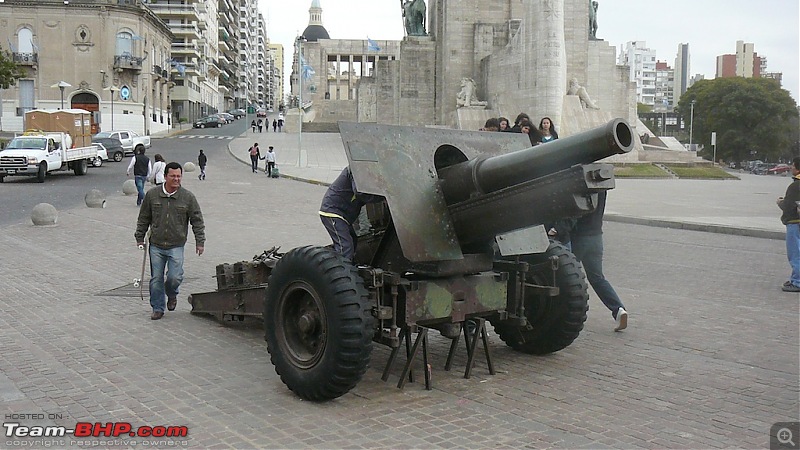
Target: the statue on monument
pixel 414 14
pixel 576 89
pixel 593 19
pixel 467 97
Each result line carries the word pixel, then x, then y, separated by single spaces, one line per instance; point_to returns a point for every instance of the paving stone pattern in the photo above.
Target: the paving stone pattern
pixel 710 358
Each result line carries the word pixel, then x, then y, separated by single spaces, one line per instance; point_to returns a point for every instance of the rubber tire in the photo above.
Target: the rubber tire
pixel 2 177
pixel 118 156
pixel 330 287
pixel 202 126
pixel 97 162
pixel 555 322
pixel 80 167
pixel 41 174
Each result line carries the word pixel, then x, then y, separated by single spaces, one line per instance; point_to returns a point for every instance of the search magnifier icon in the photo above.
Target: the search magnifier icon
pixel 784 436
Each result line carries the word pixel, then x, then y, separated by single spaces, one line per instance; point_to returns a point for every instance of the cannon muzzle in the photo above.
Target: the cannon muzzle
pixel 484 175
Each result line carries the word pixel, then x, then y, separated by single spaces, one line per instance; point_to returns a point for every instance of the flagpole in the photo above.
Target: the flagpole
pixel 300 74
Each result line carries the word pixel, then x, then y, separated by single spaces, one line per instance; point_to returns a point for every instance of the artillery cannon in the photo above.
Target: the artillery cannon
pixel 458 238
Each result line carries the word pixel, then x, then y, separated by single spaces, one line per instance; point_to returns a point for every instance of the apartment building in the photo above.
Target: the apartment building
pixel 642 64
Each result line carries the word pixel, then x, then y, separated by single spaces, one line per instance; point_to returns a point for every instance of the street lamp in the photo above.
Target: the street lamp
pixel 691 125
pixel 61 85
pixel 300 40
pixel 113 90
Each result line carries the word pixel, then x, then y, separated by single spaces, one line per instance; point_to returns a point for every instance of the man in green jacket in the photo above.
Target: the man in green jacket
pixel 167 211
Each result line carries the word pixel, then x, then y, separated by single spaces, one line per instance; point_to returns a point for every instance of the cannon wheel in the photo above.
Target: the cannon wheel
pixel 318 322
pixel 554 321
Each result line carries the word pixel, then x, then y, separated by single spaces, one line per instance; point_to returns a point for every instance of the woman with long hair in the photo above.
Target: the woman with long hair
pixel 547 130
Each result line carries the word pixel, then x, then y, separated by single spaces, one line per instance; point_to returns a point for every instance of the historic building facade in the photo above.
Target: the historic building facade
pixel 106 55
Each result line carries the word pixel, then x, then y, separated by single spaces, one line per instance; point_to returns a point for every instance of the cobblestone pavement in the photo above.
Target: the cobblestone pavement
pixel 710 358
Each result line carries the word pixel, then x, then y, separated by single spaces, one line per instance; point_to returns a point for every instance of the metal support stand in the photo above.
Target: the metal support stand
pixel 411 353
pixel 471 342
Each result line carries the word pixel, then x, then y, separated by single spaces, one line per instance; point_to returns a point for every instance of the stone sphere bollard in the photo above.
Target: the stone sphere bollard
pixel 95 199
pixel 129 187
pixel 44 214
pixel 189 167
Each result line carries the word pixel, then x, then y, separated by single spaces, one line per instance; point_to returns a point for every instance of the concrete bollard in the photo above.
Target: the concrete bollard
pixel 189 167
pixel 44 214
pixel 129 187
pixel 95 199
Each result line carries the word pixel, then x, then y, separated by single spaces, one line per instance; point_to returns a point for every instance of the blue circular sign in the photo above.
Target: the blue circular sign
pixel 125 93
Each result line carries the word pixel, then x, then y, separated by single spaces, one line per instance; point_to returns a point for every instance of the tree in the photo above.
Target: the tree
pixel 9 71
pixel 754 118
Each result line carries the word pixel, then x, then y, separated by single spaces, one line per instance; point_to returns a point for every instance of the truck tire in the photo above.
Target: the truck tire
pixel 318 322
pixel 41 174
pixel 554 322
pixel 118 156
pixel 80 167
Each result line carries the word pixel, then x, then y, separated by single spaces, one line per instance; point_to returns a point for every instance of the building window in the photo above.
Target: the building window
pixel 124 44
pixel 26 96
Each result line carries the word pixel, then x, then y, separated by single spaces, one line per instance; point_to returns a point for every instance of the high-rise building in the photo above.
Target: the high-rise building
pixel 642 63
pixel 682 70
pixel 228 52
pixel 193 57
pixel 248 53
pixel 665 85
pixel 276 52
pixel 745 63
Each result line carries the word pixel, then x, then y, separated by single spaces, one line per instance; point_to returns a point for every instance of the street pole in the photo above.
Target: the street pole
pixel 62 96
pixel 691 125
pixel 300 100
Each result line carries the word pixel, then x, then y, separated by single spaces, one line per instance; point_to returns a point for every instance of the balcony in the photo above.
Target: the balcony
pixel 128 62
pixel 169 11
pixel 26 59
pixel 185 31
pixel 185 49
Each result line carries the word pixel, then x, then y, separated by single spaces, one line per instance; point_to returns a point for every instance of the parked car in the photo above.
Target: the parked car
pixel 261 113
pixel 229 118
pixel 222 120
pixel 237 113
pixel 130 139
pixel 112 145
pixel 207 122
pixel 780 168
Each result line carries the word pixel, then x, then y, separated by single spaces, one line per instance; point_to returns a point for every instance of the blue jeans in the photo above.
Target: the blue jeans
pixel 589 251
pixel 793 251
pixel 140 181
pixel 170 259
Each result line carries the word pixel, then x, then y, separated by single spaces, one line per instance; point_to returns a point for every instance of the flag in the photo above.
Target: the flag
pixel 34 46
pixel 306 69
pixel 11 46
pixel 136 37
pixel 372 46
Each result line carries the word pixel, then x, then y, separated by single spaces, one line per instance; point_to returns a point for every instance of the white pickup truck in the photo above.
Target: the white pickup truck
pixel 130 140
pixel 39 154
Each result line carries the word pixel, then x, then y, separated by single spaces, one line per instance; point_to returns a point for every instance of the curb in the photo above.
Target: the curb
pixel 709 228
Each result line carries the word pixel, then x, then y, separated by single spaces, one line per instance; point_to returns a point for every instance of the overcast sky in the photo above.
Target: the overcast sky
pixel 710 27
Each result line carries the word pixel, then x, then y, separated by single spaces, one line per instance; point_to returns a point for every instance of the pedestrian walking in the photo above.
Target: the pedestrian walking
pixel 260 125
pixel 141 168
pixel 275 125
pixel 157 176
pixel 280 124
pixel 167 211
pixel 253 125
pixel 270 157
pixel 790 205
pixel 201 162
pixel 587 245
pixel 255 155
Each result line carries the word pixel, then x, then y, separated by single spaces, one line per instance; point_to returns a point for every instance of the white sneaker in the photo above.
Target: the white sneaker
pixel 622 320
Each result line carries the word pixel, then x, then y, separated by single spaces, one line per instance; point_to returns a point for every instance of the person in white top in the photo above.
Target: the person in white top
pixel 158 170
pixel 270 157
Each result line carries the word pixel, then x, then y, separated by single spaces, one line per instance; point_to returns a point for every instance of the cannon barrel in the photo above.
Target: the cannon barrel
pixel 484 175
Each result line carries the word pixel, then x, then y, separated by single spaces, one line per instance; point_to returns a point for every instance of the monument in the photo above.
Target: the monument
pixel 473 60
